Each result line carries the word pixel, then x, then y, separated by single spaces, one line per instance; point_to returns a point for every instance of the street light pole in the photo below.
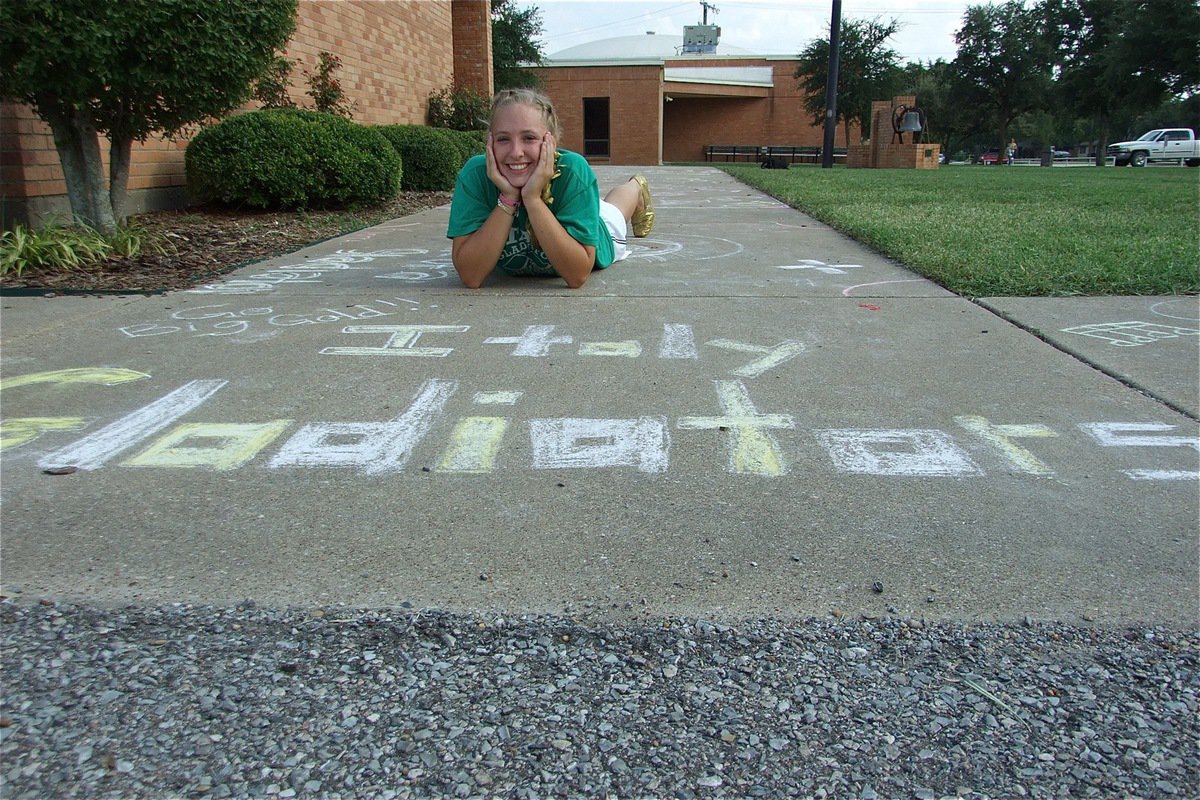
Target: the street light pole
pixel 835 24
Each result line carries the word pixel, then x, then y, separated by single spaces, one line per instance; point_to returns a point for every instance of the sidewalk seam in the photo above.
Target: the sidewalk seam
pixel 1125 381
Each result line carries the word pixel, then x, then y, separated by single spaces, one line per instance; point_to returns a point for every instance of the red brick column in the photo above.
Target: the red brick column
pixel 472 21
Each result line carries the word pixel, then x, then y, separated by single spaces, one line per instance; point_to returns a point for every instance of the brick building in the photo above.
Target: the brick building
pixel 394 53
pixel 652 99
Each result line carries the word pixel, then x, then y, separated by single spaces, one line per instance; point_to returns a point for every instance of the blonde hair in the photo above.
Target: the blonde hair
pixel 529 97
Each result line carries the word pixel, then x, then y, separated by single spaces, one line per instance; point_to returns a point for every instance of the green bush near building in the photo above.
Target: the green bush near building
pixel 292 159
pixel 431 157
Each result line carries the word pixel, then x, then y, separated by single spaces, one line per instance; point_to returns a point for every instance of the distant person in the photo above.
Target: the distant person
pixel 527 208
pixel 1012 151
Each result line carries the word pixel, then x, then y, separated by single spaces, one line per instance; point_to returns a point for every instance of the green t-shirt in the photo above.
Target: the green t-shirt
pixel 576 206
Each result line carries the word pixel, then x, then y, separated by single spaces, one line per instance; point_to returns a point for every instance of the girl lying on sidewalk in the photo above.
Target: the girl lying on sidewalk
pixel 528 208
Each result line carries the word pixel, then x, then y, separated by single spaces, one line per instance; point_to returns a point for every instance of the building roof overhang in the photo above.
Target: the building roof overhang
pixel 700 89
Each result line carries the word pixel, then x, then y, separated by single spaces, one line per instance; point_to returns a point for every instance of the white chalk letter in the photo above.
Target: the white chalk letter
pixel 400 343
pixel 91 452
pixel 641 443
pixel 1114 434
pixel 373 447
pixel 921 453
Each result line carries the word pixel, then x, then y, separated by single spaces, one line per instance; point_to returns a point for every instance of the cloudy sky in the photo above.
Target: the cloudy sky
pixel 773 27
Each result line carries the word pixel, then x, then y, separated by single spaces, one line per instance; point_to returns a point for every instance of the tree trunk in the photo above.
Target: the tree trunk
pixel 78 147
pixel 118 175
pixel 101 206
pixel 70 156
pixel 1102 141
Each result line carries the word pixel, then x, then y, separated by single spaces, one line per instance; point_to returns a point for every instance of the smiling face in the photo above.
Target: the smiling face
pixel 517 130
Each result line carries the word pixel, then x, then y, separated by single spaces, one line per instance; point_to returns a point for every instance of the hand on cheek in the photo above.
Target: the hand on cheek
pixel 494 174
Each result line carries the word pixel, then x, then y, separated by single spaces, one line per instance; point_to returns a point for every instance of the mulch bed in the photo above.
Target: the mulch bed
pixel 190 246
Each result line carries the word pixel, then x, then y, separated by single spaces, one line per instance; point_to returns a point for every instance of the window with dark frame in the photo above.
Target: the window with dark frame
pixel 595 126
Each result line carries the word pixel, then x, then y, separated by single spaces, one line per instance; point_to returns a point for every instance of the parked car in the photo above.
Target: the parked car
pixel 1060 153
pixel 993 156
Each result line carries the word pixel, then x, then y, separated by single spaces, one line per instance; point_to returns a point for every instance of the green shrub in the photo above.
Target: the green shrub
pixel 291 158
pixel 431 160
pixel 460 109
pixel 467 143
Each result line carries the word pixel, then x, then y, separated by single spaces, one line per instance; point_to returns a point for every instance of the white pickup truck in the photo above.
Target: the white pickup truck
pixel 1163 144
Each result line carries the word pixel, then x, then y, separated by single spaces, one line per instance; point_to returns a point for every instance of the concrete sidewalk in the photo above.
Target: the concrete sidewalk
pixel 752 416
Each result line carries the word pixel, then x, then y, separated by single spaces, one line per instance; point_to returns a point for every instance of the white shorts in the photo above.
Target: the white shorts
pixel 618 229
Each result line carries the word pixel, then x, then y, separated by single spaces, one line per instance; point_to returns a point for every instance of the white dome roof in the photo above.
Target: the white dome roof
pixel 633 48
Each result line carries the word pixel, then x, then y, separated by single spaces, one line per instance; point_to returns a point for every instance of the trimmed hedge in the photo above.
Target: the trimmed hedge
pixel 431 159
pixel 467 142
pixel 292 159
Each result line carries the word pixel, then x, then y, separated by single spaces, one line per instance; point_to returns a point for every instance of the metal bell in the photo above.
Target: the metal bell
pixel 911 122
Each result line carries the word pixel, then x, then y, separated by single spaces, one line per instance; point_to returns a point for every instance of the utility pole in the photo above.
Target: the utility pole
pixel 706 7
pixel 835 25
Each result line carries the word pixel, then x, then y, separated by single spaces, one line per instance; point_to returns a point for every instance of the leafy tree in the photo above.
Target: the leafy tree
pixel 868 70
pixel 514 42
pixel 931 84
pixel 129 69
pixel 1121 58
pixel 1003 66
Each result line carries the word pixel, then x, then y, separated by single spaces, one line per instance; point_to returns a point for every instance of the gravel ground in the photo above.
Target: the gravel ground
pixel 191 701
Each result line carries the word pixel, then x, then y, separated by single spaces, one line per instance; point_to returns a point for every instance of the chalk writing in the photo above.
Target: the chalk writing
pixel 221 319
pixel 534 342
pixel 93 451
pixel 474 445
pixel 16 431
pixel 307 271
pixel 771 356
pixel 1001 436
pixel 754 451
pixel 401 341
pixel 642 443
pixel 1132 334
pixel 678 341
pixel 221 446
pixel 755 441
pixel 417 265
pixel 1134 434
pixel 374 448
pixel 919 453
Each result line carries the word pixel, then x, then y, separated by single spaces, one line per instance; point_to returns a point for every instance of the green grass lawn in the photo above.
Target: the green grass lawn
pixel 1012 231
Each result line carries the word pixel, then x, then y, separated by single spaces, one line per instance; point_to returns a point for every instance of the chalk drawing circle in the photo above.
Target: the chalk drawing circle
pixel 649 249
pixel 659 249
pixel 1185 308
pixel 415 276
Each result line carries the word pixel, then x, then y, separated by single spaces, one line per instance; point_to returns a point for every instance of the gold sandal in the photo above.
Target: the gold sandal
pixel 643 221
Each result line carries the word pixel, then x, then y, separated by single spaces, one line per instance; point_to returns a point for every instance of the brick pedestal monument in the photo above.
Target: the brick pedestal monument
pixel 885 150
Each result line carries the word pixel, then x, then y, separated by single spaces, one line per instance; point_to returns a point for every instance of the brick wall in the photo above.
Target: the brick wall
pixel 394 53
pixel 634 112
